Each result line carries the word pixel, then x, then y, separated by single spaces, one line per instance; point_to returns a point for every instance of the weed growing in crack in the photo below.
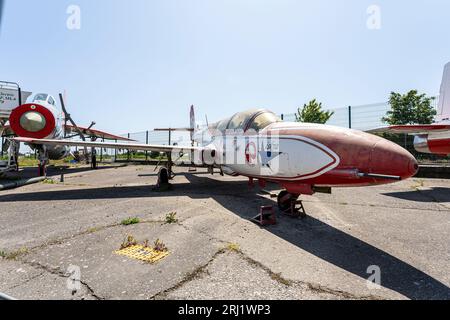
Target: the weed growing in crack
pixel 234 247
pixel 159 246
pixel 14 255
pixel 129 241
pixel 171 218
pixel 130 221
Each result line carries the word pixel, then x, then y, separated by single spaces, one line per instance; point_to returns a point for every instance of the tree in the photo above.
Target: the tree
pixel 410 108
pixel 313 113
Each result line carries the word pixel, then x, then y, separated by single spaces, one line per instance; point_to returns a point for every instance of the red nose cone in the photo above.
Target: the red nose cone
pixel 32 121
pixel 391 159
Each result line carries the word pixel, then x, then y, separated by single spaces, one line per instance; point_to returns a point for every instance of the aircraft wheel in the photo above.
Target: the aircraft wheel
pixel 285 200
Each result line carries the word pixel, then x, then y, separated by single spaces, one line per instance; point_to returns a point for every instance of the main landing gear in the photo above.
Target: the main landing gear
pixel 163 180
pixel 43 162
pixel 289 205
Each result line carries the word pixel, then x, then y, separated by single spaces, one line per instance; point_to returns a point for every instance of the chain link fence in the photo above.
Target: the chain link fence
pixel 361 117
pixel 367 117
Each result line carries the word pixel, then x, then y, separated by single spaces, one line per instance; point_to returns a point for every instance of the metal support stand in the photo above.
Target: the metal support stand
pixel 266 216
pixel 297 210
pixel 290 206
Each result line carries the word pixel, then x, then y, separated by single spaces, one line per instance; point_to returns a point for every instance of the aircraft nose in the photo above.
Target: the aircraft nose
pixel 391 159
pixel 32 121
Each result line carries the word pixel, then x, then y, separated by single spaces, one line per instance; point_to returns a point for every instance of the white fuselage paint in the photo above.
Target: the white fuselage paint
pixel 281 157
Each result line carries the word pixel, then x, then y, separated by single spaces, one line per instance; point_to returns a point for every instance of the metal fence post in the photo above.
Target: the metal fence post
pixel 1 147
pixel 115 153
pixel 128 154
pixel 350 117
pixel 101 151
pixel 146 142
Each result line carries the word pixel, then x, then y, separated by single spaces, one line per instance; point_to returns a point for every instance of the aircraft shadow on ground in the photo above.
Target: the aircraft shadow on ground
pixel 437 194
pixel 312 235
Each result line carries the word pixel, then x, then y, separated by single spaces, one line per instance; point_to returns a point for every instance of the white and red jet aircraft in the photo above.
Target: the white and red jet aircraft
pixel 432 138
pixel 302 158
pixel 42 119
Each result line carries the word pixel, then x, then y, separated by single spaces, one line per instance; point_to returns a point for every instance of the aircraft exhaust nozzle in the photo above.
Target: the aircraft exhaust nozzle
pixel 32 121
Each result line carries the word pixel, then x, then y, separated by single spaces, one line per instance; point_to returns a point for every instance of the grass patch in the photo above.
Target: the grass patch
pixel 171 218
pixel 234 247
pixel 92 230
pixel 15 254
pixel 418 184
pixel 130 221
pixel 49 181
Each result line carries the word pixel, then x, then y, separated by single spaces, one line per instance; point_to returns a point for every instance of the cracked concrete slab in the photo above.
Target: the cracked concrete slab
pixel 403 228
pixel 219 281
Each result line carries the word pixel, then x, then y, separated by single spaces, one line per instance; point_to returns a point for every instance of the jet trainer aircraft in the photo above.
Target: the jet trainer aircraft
pixel 302 158
pixel 43 119
pixel 432 138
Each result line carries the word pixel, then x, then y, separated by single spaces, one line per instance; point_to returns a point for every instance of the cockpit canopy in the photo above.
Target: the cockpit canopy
pixel 255 119
pixel 43 97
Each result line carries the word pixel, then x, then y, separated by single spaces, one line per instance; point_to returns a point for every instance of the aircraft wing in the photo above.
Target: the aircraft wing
pixel 109 145
pixel 413 129
pixel 94 133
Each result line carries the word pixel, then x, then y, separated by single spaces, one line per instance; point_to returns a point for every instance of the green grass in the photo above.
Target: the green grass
pixel 32 162
pixel 130 221
pixel 48 181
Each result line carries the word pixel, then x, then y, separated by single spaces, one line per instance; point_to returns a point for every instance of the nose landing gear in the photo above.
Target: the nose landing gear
pixel 289 205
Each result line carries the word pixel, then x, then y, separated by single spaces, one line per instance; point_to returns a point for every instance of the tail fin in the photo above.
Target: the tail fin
pixel 193 123
pixel 444 98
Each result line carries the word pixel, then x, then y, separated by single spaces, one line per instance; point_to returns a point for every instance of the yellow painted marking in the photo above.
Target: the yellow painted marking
pixel 142 253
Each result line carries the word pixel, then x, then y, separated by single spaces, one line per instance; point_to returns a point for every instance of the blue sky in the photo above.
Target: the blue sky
pixel 139 64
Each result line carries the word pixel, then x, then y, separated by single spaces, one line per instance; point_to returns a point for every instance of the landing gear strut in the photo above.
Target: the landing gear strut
pixel 94 159
pixel 43 161
pixel 289 205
